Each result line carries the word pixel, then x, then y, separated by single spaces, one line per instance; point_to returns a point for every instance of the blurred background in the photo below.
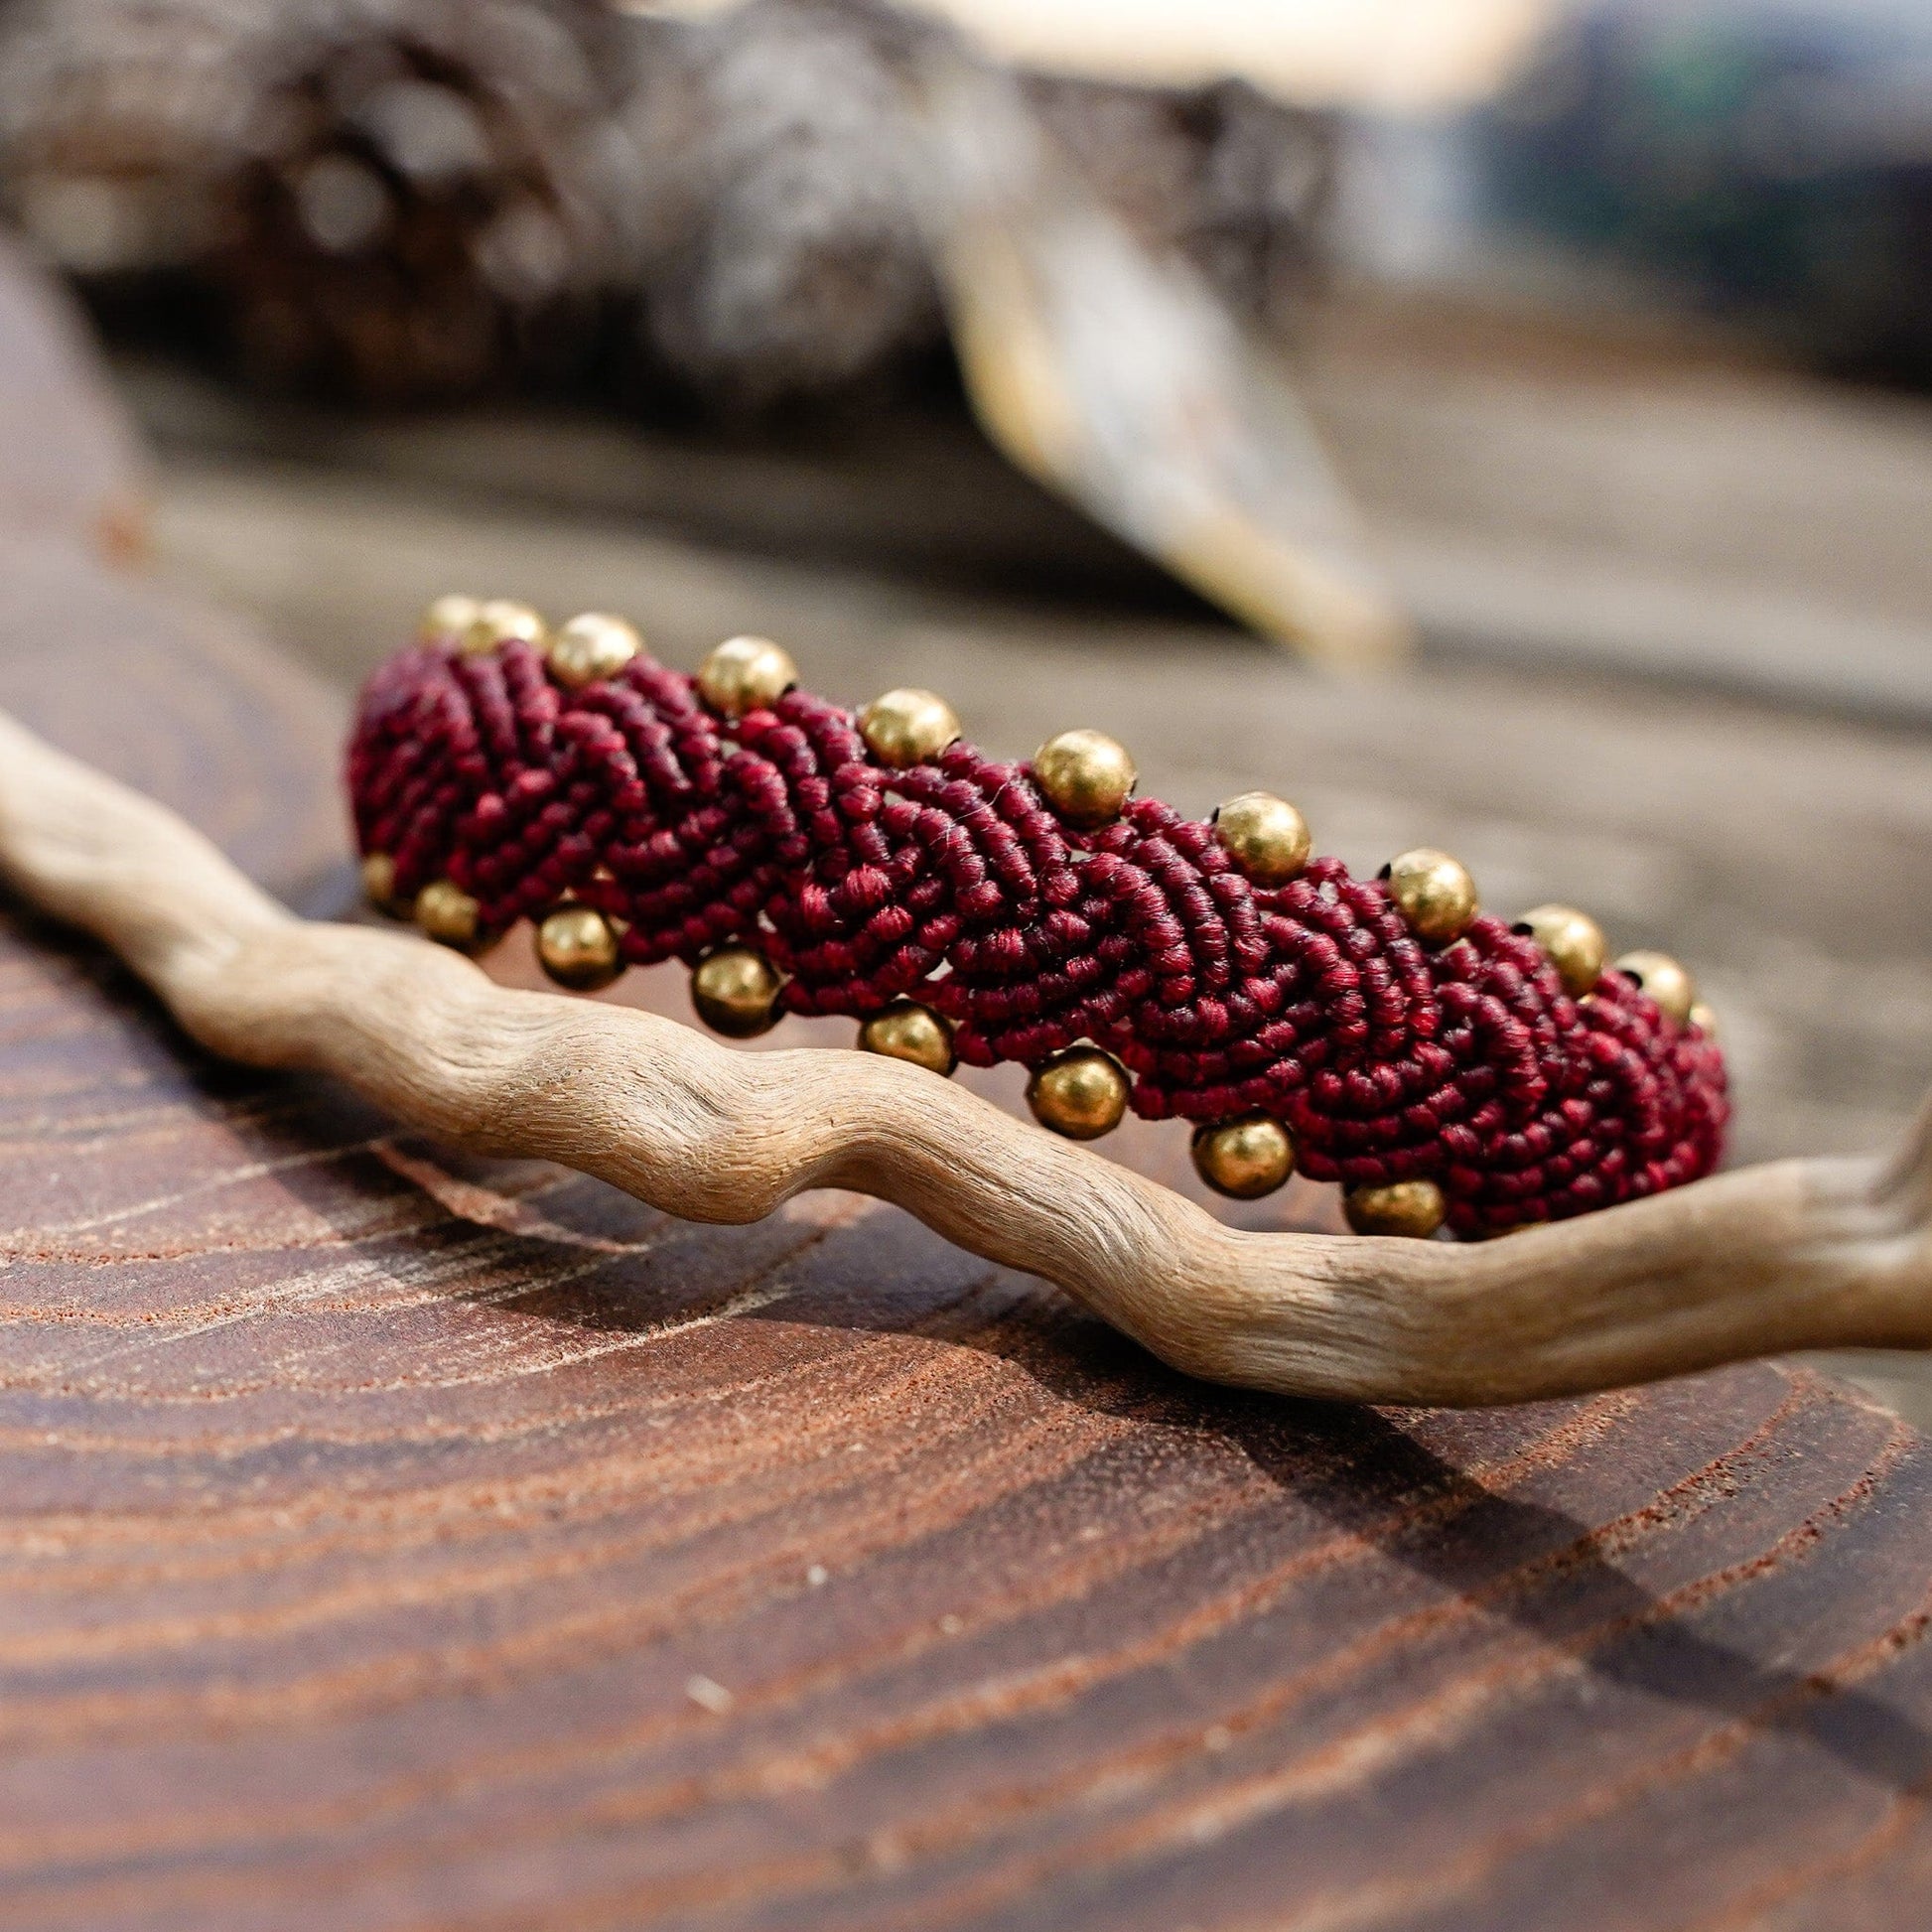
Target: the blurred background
pixel 1502 424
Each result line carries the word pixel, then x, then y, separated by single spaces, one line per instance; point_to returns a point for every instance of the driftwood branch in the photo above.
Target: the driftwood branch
pixel 1800 1254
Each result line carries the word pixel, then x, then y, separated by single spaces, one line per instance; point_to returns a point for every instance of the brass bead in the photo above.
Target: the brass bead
pixel 447 912
pixel 1265 836
pixel 380 886
pixel 1244 1159
pixel 1573 942
pixel 1704 1018
pixel 1081 1093
pixel 449 619
pixel 1086 777
pixel 907 727
pixel 1434 892
pixel 502 620
pixel 736 992
pixel 1415 1208
pixel 1668 984
pixel 908 1031
pixel 578 947
pixel 746 674
pixel 592 646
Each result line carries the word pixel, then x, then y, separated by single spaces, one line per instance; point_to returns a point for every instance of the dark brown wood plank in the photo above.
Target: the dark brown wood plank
pixel 394 1540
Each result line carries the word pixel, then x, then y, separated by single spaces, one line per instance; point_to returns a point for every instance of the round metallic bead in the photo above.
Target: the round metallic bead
pixel 736 992
pixel 1265 836
pixel 1086 777
pixel 907 728
pixel 1705 1018
pixel 578 947
pixel 448 619
pixel 501 621
pixel 746 674
pixel 908 1031
pixel 380 886
pixel 1081 1093
pixel 447 912
pixel 1244 1159
pixel 592 646
pixel 1668 984
pixel 1414 1208
pixel 1434 892
pixel 1573 942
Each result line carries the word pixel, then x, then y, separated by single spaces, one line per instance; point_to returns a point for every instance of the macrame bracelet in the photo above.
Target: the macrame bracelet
pixel 1444 1067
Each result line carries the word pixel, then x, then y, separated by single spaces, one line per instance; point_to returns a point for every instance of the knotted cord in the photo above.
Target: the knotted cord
pixel 953 881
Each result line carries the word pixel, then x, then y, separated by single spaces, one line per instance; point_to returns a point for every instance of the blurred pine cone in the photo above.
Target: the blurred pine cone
pixel 781 255
pixel 399 201
pixel 430 196
pixel 122 124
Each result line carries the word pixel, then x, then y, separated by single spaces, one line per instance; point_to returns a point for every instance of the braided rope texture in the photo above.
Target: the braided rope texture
pixel 953 881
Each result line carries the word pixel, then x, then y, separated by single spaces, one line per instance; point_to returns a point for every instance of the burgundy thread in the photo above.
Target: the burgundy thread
pixel 1467 1064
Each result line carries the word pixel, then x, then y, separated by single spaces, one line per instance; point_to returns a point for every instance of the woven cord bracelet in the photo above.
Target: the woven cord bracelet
pixel 1443 1067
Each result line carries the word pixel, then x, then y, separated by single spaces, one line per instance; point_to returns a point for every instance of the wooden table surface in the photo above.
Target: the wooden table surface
pixel 391 1540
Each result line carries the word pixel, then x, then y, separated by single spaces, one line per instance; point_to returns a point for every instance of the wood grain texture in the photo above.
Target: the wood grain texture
pixel 391 1539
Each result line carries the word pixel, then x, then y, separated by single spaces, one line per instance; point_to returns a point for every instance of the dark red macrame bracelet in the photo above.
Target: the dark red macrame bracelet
pixel 495 776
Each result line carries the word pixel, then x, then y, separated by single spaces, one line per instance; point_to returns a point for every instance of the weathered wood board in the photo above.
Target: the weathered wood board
pixel 390 1540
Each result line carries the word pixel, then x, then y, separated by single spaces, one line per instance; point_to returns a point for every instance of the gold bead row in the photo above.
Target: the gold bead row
pixel 739 676
pixel 1087 779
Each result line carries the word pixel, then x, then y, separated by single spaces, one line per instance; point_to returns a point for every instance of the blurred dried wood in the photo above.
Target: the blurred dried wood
pixel 393 1538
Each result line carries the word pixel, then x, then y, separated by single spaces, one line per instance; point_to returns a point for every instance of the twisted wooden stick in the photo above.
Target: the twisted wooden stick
pixel 1799 1254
